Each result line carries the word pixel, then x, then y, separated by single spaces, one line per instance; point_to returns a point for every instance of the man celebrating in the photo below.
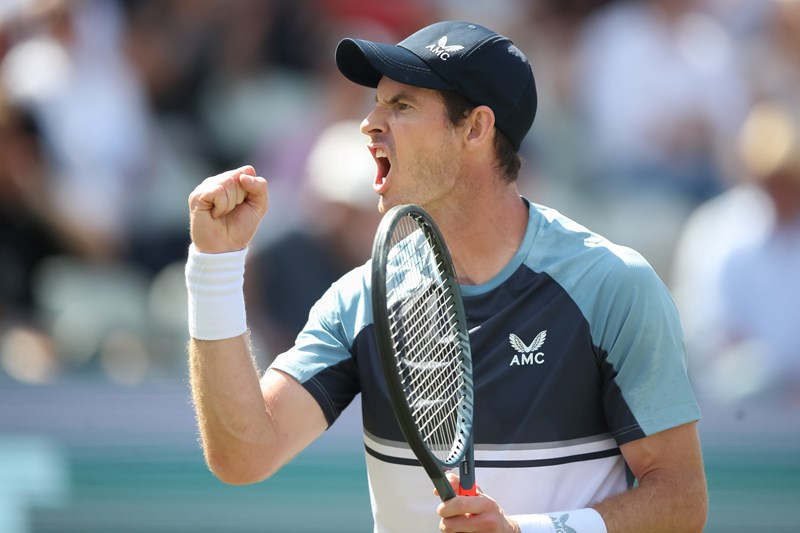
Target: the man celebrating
pixel 579 366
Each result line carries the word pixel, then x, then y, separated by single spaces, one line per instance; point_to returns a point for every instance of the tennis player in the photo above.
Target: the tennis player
pixel 585 420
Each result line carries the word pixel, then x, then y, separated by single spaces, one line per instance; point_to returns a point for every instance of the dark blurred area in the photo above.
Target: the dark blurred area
pixel 672 126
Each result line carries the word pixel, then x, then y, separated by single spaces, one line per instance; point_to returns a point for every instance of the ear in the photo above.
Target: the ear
pixel 480 125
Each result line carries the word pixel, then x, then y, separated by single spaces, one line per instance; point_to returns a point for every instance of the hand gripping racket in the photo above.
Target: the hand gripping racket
pixel 421 330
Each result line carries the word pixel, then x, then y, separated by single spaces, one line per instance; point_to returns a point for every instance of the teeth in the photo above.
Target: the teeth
pixel 380 152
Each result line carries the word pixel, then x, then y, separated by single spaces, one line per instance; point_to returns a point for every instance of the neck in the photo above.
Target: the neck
pixel 485 232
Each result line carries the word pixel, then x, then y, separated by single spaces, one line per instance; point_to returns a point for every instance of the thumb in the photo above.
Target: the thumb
pixel 247 170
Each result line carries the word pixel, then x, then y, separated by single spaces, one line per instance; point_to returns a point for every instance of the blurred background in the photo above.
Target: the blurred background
pixel 672 126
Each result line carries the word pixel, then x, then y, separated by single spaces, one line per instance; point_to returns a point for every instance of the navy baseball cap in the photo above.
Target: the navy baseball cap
pixel 478 63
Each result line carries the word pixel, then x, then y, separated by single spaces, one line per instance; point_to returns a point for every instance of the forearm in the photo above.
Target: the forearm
pixel 671 495
pixel 657 505
pixel 230 409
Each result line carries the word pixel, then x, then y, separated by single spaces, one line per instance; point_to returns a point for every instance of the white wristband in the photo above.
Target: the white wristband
pixel 579 520
pixel 216 295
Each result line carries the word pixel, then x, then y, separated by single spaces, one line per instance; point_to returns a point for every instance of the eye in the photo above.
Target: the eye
pixel 402 106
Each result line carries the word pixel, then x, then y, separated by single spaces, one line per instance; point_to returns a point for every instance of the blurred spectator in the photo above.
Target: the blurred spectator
pixel 298 267
pixel 737 267
pixel 326 98
pixel 86 179
pixel 400 17
pixel 257 86
pixel 773 57
pixel 32 229
pixel 65 66
pixel 556 162
pixel 740 302
pixel 31 232
pixel 663 97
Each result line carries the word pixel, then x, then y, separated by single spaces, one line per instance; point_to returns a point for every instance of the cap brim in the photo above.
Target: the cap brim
pixel 366 62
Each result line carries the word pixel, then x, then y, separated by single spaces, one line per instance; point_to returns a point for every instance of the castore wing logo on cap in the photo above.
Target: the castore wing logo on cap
pixel 442 50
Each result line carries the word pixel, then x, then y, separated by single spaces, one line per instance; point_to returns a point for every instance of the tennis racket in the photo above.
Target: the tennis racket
pixel 424 349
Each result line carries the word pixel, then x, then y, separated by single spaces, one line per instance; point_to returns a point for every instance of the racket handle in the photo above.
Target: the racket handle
pixel 473 491
pixel 466 474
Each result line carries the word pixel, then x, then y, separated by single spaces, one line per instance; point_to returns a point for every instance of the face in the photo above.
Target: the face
pixel 415 146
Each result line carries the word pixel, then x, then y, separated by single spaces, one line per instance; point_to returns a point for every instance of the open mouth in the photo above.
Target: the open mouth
pixel 384 166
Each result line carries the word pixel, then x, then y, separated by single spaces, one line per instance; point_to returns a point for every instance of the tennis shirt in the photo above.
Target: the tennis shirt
pixel 577 348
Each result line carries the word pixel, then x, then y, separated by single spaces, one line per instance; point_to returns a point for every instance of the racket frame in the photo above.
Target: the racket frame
pixel 434 467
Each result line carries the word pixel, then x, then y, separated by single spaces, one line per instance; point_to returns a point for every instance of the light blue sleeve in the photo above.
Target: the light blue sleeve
pixel 322 358
pixel 633 322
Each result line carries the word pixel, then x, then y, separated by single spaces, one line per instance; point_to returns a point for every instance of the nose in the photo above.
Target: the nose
pixel 373 124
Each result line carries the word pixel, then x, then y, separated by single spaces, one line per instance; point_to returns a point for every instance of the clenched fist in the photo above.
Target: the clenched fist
pixel 225 210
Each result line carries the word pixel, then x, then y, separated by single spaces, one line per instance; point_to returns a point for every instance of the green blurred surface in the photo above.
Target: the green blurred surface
pixel 752 491
pixel 170 492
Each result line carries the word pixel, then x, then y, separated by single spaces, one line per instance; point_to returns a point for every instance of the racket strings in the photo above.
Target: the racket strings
pixel 427 341
pixel 439 365
pixel 431 379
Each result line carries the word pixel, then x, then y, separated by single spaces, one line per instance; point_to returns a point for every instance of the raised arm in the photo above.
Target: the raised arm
pixel 249 427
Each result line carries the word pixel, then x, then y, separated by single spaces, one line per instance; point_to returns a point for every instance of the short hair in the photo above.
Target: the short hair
pixel 508 160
